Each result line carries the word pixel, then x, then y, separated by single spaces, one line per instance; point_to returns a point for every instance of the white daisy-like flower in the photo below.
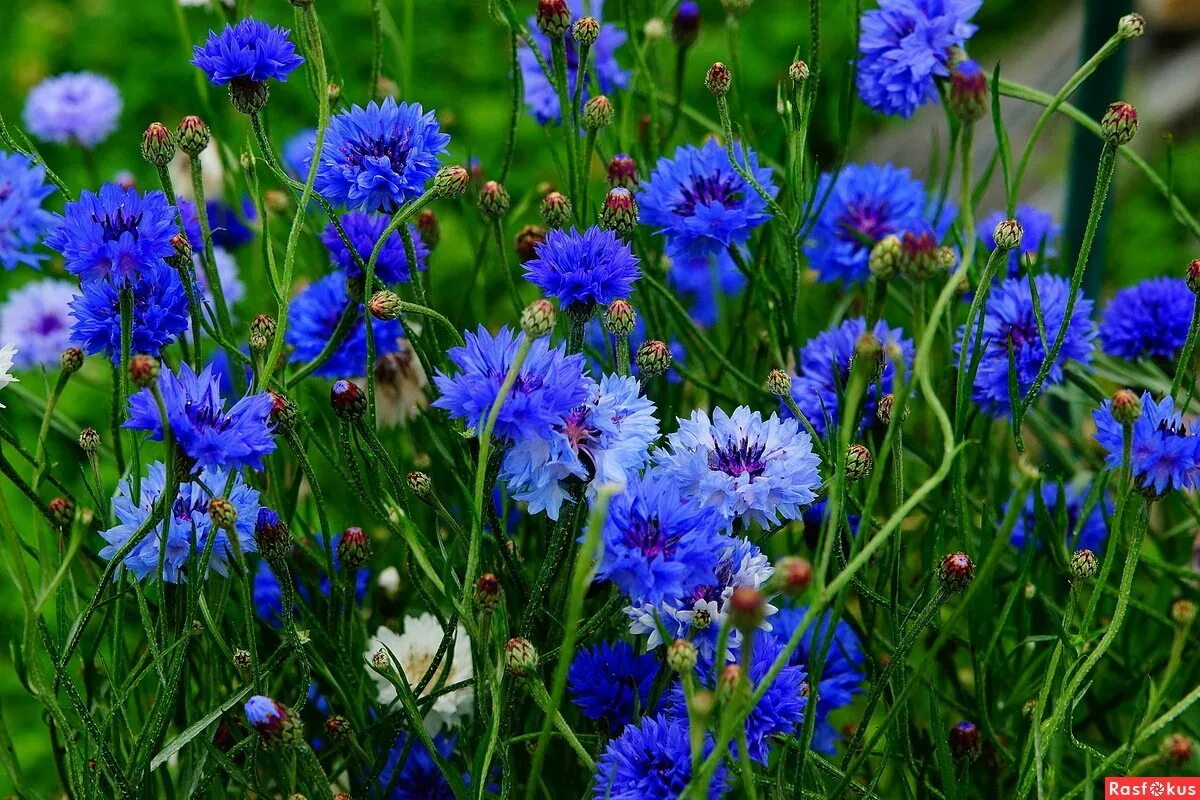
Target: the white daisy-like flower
pixel 7 354
pixel 412 653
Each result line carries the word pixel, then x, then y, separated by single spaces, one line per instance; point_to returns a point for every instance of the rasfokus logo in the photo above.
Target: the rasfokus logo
pixel 1151 787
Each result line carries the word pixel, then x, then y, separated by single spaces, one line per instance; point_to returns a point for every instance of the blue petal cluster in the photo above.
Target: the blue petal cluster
pixel 541 99
pixel 36 318
pixel 188 523
pixel 228 225
pixel 584 269
pixel 160 313
pixel 116 234
pixel 610 682
pixel 904 49
pixel 863 203
pixel 750 469
pixel 250 50
pixel 23 221
pixel 1148 319
pixel 1010 333
pixel 825 369
pixel 1081 532
pixel 380 157
pixel 1040 238
pixel 1165 453
pixel 364 231
pixel 313 317
pixel 200 426
pixel 73 108
pixel 651 760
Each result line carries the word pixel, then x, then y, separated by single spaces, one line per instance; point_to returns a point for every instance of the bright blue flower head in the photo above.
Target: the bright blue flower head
pixel 116 234
pixel 704 282
pixel 700 203
pixel 750 469
pixel 604 440
pixel 540 96
pixel 250 51
pixel 549 384
pixel 200 426
pixel 1082 533
pixel 863 204
pixel 189 519
pixel 312 318
pixel 23 221
pixel 905 47
pixel 1040 235
pixel 73 108
pixel 651 760
pixel 36 318
pixel 160 313
pixel 418 776
pixel 380 157
pixel 364 231
pixel 1148 319
pixel 825 370
pixel 656 546
pixel 1009 326
pixel 610 682
pixel 1165 454
pixel 583 269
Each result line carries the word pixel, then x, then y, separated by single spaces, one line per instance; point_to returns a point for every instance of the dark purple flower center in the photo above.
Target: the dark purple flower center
pixel 582 436
pixel 115 224
pixel 47 324
pixel 1173 426
pixel 526 383
pixel 864 223
pixel 647 536
pixel 206 415
pixel 395 148
pixel 712 592
pixel 705 190
pixel 738 458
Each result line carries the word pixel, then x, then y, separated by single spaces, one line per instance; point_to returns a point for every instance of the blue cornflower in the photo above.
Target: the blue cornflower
pixel 296 153
pixel 364 231
pixel 1148 319
pixel 188 522
pixel 1040 239
pixel 249 51
pixel 656 546
pixel 863 203
pixel 583 269
pixel 612 683
pixel 905 47
pixel 229 228
pixel 651 760
pixel 36 318
pixel 73 108
pixel 701 204
pixel 841 671
pixel 1164 455
pixel 704 281
pixel 1088 533
pixel 825 369
pixel 313 316
pixel 380 157
pixel 1010 333
pixel 549 384
pixel 200 426
pixel 781 709
pixel 540 96
pixel 117 233
pixel 23 221
pixel 601 348
pixel 604 440
pixel 160 313
pixel 751 469
pixel 418 777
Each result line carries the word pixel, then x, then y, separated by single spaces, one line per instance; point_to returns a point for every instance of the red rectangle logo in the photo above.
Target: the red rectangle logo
pixel 1151 788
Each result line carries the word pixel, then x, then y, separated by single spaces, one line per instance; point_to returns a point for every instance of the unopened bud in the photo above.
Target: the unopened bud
pixel 158 145
pixel 487 592
pixel 556 210
pixel 653 358
pixel 262 332
pixel 1119 124
pixel 620 318
pixel 597 113
pixel 622 172
pixel 620 212
pixel 1083 565
pixel 1126 407
pixel 527 241
pixel 143 370
pixel 493 200
pixel 348 401
pixel 192 135
pixel 884 262
pixel 520 657
pixel 538 318
pixel 385 305
pixel 956 571
pixel 223 513
pixel 354 548
pixel 681 656
pixel 89 440
pixel 718 79
pixel 553 17
pixel 792 575
pixel 779 383
pixel 450 182
pixel 1131 26
pixel 1008 234
pixel 859 462
pixel 585 31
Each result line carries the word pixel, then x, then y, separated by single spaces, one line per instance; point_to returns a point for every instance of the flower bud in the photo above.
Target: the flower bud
pixel 970 98
pixel 702 704
pixel 89 440
pixel 354 548
pixel 385 305
pixel 381 662
pixel 520 657
pixel 779 383
pixel 884 411
pixel 731 683
pixel 718 79
pixel 1183 612
pixel 223 513
pixel 528 239
pixel 654 29
pixel 241 660
pixel 681 656
pixel 62 511
pixel 597 113
pixel 487 592
pixel 158 145
pixel 798 72
pixel 885 257
pixel 493 200
pixel 348 401
pixel 182 257
pixel 450 182
pixel 792 576
pixel 921 257
pixel 1131 26
pixel 283 411
pixel 620 212
pixel 386 87
pixel 538 318
pixel 248 97
pixel 1083 565
pixel 1119 124
pixel 955 572
pixel 619 318
pixel 72 360
pixel 143 370
pixel 585 31
pixel 1008 234
pixel 556 210
pixel 622 172
pixel 859 462
pixel 747 608
pixel 553 18
pixel 1126 407
pixel 1177 749
pixel 868 351
pixel 653 358
pixel 192 135
pixel 964 741
pixel 276 201
pixel 429 229
pixel 274 722
pixel 1193 276
pixel 685 26
pixel 262 332
pixel 272 536
pixel 420 485
pixel 337 727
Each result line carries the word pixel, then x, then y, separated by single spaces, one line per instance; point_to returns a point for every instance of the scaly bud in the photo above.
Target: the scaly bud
pixel 354 548
pixel 1126 407
pixel 143 370
pixel 718 79
pixel 487 592
pixel 493 200
pixel 553 18
pixel 89 440
pixel 956 571
pixel 792 576
pixel 348 401
pixel 420 484
pixel 779 383
pixel 538 318
pixel 1008 234
pixel 585 31
pixel 158 145
pixel 385 305
pixel 192 135
pixel 964 741
pixel 798 72
pixel 262 332
pixel 597 113
pixel 520 657
pixel 620 318
pixel 556 210
pixel 275 723
pixel 1119 124
pixel 1131 26
pixel 450 182
pixel 622 172
pixel 620 212
pixel 62 511
pixel 970 98
pixel 527 241
pixel 247 96
pixel 885 257
pixel 1083 565
pixel 653 358
pixel 859 462
pixel 223 513
pixel 747 608
pixel 429 229
pixel 681 656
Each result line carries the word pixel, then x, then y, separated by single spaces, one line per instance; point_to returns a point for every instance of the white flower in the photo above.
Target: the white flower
pixel 412 653
pixel 389 582
pixel 6 363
